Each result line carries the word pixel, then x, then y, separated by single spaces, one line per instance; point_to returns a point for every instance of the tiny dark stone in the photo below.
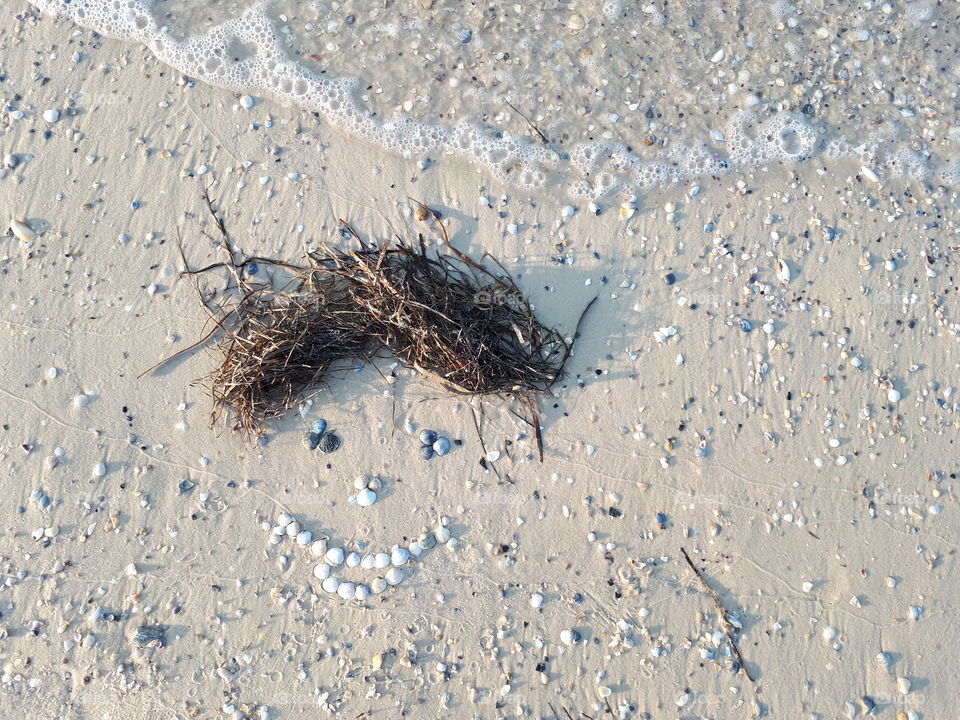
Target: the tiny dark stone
pixel 614 512
pixel 148 634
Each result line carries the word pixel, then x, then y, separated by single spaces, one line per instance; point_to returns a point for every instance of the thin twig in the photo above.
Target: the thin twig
pixel 728 629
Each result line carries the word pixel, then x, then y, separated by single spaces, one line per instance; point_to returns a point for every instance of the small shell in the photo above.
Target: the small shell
pixel 394 576
pixel 381 560
pixel 783 271
pixel 399 555
pixel 426 452
pixel 427 540
pixel 147 634
pixel 441 446
pixel 284 519
pixel 331 584
pixel 335 556
pixel 329 443
pixel 321 571
pixel 347 590
pixel 428 437
pixel 903 685
pixel 319 426
pixel 24 232
pixel 311 440
pixel 536 600
pixel 352 560
pixel 304 538
pixel 569 637
pixel 319 548
pixel 378 585
pixel 366 498
pixel 362 592
pixel 366 562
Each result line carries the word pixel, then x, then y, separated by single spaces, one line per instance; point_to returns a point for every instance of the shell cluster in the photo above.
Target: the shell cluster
pixel 433 444
pixel 317 438
pixel 391 567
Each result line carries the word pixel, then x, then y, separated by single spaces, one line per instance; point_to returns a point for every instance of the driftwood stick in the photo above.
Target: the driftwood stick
pixel 728 629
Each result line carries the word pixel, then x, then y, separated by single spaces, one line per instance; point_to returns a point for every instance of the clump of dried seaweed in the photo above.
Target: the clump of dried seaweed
pixel 436 310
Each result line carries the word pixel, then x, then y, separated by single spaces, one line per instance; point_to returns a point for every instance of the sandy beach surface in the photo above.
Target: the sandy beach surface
pixel 766 382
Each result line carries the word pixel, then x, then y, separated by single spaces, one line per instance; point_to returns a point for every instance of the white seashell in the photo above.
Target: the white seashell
pixel 352 560
pixel 347 590
pixel 717 56
pixel 415 549
pixel 319 548
pixel 284 519
pixel 360 482
pixel 829 633
pixel 783 271
pixel 893 395
pixel 399 556
pixel 890 265
pixel 51 115
pixel 442 534
pixel 536 600
pixel 869 174
pixel 394 576
pixel 381 560
pixel 23 231
pixel 903 685
pixel 378 585
pixel 366 497
pixel 99 470
pixel 331 584
pixel 321 571
pixel 569 637
pixel 304 538
pixel 366 562
pixel 293 529
pixel 335 556
pixel 362 592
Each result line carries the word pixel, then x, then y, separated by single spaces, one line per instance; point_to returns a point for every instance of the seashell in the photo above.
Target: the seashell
pixel 148 634
pixel 321 571
pixel 415 549
pixel 319 548
pixel 366 562
pixel 331 584
pixel 362 592
pixel 378 585
pixel 783 271
pixel 442 534
pixel 304 538
pixel 441 446
pixel 284 519
pixel 893 395
pixel 569 637
pixel 427 540
pixel 24 232
pixel 352 560
pixel 319 426
pixel 366 498
pixel 381 560
pixel 347 590
pixel 374 483
pixel 394 576
pixel 311 440
pixel 399 556
pixel 334 556
pixel 536 600
pixel 428 437
pixel 361 481
pixel 426 452
pixel 903 685
pixel 278 531
pixel 99 470
pixel 329 443
pixel 293 529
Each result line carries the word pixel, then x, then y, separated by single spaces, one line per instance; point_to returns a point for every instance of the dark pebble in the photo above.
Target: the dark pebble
pixel 669 278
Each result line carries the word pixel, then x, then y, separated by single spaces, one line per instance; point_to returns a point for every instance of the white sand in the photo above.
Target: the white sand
pixel 459 635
